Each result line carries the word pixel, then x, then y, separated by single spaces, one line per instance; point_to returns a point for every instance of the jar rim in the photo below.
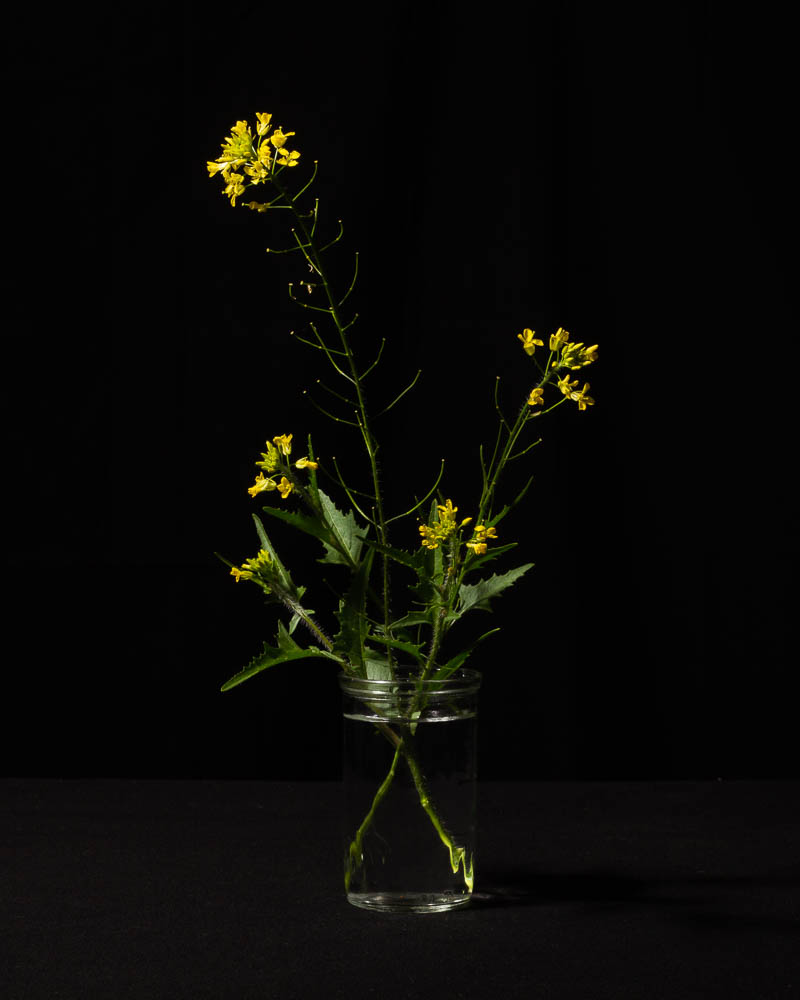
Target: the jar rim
pixel 463 681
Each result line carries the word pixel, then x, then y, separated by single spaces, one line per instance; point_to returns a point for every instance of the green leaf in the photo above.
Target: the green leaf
pixel 377 668
pixel 285 641
pixel 282 573
pixel 313 488
pixel 310 525
pixel 476 561
pixel 414 560
pixel 271 656
pixel 455 662
pixel 347 534
pixel 477 596
pixel 353 624
pixel 507 510
pixel 406 647
pixel 414 618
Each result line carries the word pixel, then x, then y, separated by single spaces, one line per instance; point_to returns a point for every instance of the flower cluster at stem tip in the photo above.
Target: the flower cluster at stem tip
pixel 568 355
pixel 447 525
pixel 249 159
pixel 279 447
pixel 434 534
pixel 260 564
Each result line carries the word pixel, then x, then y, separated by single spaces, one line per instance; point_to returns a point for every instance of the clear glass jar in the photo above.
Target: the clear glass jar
pixel 409 777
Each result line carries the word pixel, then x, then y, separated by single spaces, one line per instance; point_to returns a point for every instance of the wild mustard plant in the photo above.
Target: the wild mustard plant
pixel 447 553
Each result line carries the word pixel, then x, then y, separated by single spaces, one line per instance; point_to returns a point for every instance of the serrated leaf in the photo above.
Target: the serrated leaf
pixel 477 596
pixel 348 535
pixel 271 656
pixel 310 525
pixel 414 618
pixel 353 625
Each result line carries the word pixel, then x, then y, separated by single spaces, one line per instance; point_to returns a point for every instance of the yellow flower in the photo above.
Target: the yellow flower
pixel 263 122
pixel 447 512
pixel 442 529
pixel 536 397
pixel 566 386
pixel 265 153
pixel 429 539
pixel 257 172
pixel 478 543
pixel 279 137
pixel 479 548
pixel 305 463
pixel 235 186
pixel 257 206
pixel 258 566
pixel 238 146
pixel 577 355
pixel 581 398
pixel 558 338
pixel 284 487
pixel 284 443
pixel 287 159
pixel 262 485
pixel 529 341
pixel 568 389
pixel 270 460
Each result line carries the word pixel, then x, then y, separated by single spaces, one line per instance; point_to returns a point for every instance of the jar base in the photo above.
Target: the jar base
pixel 408 902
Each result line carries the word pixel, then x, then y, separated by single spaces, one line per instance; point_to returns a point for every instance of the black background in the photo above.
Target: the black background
pixel 622 172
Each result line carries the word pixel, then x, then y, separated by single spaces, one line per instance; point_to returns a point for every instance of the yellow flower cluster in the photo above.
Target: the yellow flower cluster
pixel 433 535
pixel 270 462
pixel 573 356
pixel 577 355
pixel 253 567
pixel 478 543
pixel 247 159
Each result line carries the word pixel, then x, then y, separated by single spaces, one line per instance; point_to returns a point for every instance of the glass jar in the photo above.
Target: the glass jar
pixel 409 776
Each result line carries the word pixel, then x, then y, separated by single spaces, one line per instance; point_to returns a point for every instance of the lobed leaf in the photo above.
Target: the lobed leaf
pixel 353 624
pixel 477 596
pixel 348 535
pixel 271 656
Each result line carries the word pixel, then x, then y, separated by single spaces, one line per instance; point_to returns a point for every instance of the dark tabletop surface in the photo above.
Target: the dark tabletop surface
pixel 233 890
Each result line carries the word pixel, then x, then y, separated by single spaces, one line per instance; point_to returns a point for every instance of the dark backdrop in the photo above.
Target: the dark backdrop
pixel 622 172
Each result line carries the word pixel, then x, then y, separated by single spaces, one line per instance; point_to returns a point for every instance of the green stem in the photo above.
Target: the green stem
pixel 312 254
pixel 458 855
pixel 354 854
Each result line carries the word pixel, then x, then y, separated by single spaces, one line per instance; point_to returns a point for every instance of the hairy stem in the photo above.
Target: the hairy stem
pixel 313 256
